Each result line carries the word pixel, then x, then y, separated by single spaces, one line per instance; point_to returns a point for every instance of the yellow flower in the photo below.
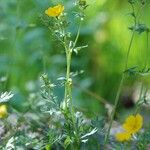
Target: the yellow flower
pixel 123 136
pixel 133 123
pixel 54 11
pixel 3 111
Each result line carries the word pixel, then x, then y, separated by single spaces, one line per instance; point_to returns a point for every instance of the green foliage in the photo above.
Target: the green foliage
pixel 140 28
pixel 40 115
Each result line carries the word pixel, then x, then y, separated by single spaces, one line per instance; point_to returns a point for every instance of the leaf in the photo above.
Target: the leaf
pixel 132 14
pixel 67 142
pixel 140 28
pixel 131 71
pixel 48 147
pixel 77 49
pixel 84 141
pixel 131 1
pixel 83 4
pixel 144 72
pixel 90 133
pixel 61 78
pixel 71 45
pixel 5 97
pixel 98 122
pixel 10 144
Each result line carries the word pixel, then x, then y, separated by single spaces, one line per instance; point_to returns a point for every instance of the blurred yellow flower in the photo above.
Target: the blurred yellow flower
pixel 133 123
pixel 54 11
pixel 123 136
pixel 3 111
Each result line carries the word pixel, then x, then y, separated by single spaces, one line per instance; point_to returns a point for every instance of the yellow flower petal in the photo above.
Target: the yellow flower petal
pixel 3 111
pixel 133 123
pixel 123 136
pixel 54 11
pixel 129 123
pixel 139 121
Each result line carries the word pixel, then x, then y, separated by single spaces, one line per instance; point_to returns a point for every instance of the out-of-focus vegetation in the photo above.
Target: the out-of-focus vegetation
pixel 27 50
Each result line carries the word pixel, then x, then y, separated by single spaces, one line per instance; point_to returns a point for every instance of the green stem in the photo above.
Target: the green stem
pixel 119 89
pixel 123 76
pixel 140 97
pixel 68 93
pixel 68 84
pixel 145 65
pixel 78 33
pixel 147 48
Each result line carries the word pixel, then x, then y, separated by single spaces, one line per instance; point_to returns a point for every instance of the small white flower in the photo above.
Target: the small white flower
pixel 5 97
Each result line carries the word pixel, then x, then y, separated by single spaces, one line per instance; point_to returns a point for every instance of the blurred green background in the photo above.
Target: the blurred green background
pixel 27 50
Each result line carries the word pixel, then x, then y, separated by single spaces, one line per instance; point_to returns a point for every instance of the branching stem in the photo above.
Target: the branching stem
pixel 123 75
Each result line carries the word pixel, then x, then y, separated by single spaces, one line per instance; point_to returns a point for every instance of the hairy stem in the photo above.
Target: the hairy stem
pixel 68 84
pixel 68 93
